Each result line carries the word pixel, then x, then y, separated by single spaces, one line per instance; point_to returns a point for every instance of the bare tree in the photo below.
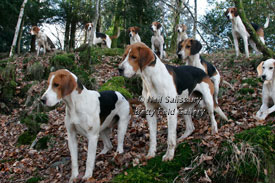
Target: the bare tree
pixel 18 26
pixel 195 19
pixel 94 22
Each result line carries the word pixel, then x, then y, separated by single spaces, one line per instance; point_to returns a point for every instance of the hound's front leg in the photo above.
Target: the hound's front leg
pixel 172 134
pixel 236 44
pixel 245 40
pixel 72 142
pixel 91 154
pixel 262 113
pixel 38 49
pixel 161 51
pixel 152 122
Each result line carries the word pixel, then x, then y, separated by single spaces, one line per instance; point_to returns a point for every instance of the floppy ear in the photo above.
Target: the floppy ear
pixel 236 12
pixel 146 56
pixel 86 26
pixel 179 46
pixel 136 29
pixel 68 85
pixel 260 69
pixel 184 27
pixel 37 29
pixel 158 25
pixel 128 30
pixel 195 47
pixel 225 13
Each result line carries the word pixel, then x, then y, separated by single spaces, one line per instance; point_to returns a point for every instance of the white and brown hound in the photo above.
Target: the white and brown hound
pixel 133 33
pixel 89 113
pixel 182 35
pixel 99 37
pixel 266 70
pixel 239 30
pixel 168 85
pixel 42 40
pixel 189 51
pixel 157 40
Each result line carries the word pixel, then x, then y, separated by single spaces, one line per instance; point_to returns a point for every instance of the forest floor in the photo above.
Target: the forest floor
pixel 18 163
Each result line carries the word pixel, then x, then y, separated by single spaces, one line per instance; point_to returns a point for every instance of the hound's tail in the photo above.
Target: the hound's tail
pixel 116 36
pixel 228 84
pixel 266 22
pixel 218 110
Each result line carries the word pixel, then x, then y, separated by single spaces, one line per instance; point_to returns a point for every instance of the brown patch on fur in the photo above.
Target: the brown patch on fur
pixel 233 11
pixel 35 29
pixel 157 24
pixel 215 73
pixel 260 32
pixel 260 69
pixel 139 57
pixel 208 81
pixel 134 30
pixel 186 46
pixel 63 83
pixel 184 27
pixel 205 67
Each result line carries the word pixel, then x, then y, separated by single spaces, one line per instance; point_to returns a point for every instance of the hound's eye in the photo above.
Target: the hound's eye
pixel 55 85
pixel 188 46
pixel 133 57
pixel 232 11
pixel 270 68
pixel 263 67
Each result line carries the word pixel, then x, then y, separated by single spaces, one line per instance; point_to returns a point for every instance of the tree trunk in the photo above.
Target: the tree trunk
pixel 20 37
pixel 195 20
pixel 262 47
pixel 18 27
pixel 116 23
pixel 72 35
pixel 67 35
pixel 94 22
pixel 176 22
pixel 98 27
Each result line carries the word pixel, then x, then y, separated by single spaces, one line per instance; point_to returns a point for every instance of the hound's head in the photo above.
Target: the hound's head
pixel 89 26
pixel 133 31
pixel 181 28
pixel 188 47
pixel 266 70
pixel 136 57
pixel 231 13
pixel 60 84
pixel 155 26
pixel 34 30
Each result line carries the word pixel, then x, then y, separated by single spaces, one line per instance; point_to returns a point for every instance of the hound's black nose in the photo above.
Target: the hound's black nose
pixel 264 77
pixel 179 56
pixel 120 70
pixel 43 100
pixel 178 30
pixel 130 35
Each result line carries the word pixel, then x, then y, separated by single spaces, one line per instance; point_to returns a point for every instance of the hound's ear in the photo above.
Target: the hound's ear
pixel 260 69
pixel 146 56
pixel 136 29
pixel 86 26
pixel 236 12
pixel 227 11
pixel 37 29
pixel 195 47
pixel 158 25
pixel 68 85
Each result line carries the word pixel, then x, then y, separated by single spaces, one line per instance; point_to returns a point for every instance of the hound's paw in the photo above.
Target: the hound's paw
pixel 150 155
pixel 261 115
pixel 168 157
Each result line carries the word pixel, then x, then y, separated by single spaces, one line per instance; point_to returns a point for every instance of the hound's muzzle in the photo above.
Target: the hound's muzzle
pixel 121 71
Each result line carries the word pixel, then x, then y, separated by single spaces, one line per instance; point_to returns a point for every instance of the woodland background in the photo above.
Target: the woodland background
pixel 33 145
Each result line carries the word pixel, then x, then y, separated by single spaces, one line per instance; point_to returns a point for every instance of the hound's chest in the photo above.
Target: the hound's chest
pixel 81 122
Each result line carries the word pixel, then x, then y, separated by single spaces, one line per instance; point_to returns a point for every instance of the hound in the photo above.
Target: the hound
pixel 182 35
pixel 239 30
pixel 167 87
pixel 89 113
pixel 266 71
pixel 134 37
pixel 188 51
pixel 99 37
pixel 157 40
pixel 42 40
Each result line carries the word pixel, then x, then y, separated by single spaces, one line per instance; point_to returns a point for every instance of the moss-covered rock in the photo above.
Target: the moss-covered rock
pixel 42 143
pixel 134 86
pixel 36 72
pixel 156 170
pixel 116 84
pixel 63 61
pixel 33 121
pixel 26 138
pixel 85 77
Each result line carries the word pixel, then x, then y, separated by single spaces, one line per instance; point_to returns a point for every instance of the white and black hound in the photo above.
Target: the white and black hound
pixel 239 30
pixel 170 83
pixel 133 33
pixel 189 51
pixel 89 113
pixel 42 40
pixel 99 37
pixel 157 40
pixel 266 70
pixel 182 35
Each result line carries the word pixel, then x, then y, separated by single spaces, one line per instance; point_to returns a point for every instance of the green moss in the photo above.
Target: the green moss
pixel 42 143
pixel 33 121
pixel 245 91
pixel 63 61
pixel 134 86
pixel 36 72
pixel 26 138
pixel 85 78
pixel 116 84
pixel 34 180
pixel 252 81
pixel 156 170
